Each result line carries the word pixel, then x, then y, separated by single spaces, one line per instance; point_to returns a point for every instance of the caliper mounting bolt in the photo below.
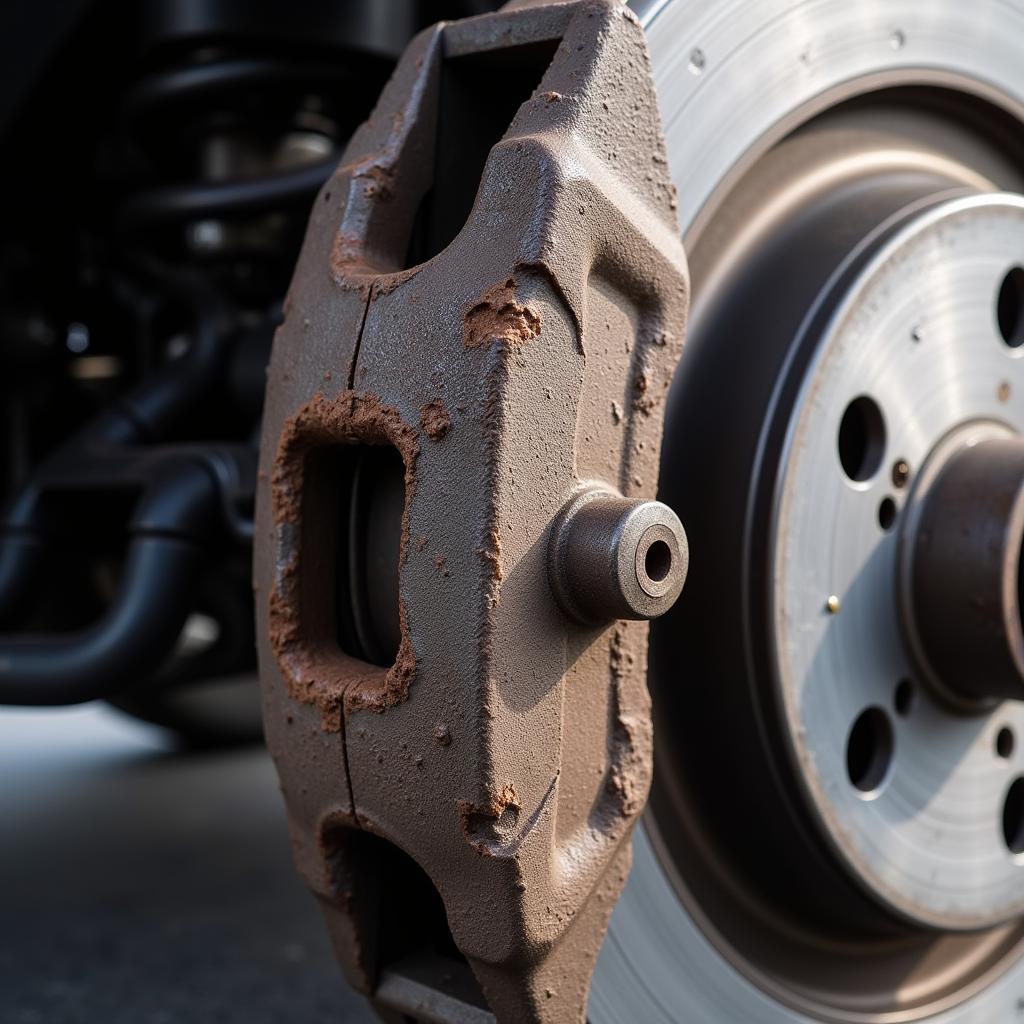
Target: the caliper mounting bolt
pixel 616 558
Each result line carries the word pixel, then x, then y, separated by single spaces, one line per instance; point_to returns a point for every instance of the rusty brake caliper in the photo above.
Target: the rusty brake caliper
pixel 456 546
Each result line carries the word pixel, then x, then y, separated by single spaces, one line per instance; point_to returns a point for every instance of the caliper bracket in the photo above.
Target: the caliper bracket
pixel 516 352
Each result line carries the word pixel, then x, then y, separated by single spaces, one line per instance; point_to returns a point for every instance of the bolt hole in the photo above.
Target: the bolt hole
pixel 658 561
pixel 869 749
pixel 861 439
pixel 1013 817
pixel 1010 308
pixel 886 514
pixel 1005 742
pixel 904 697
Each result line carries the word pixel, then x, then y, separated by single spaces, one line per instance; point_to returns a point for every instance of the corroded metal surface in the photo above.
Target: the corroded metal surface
pixel 507 748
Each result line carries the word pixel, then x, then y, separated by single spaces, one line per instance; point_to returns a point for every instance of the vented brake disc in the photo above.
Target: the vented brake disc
pixel 835 830
pixel 836 824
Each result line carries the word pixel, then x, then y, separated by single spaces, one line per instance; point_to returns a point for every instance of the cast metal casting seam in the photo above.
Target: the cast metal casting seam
pixel 350 384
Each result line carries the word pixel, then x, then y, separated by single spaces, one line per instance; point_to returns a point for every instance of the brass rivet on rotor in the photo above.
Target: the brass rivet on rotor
pixel 832 604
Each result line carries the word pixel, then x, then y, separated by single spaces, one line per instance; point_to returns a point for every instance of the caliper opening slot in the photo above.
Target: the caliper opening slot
pixel 480 94
pixel 415 962
pixel 353 529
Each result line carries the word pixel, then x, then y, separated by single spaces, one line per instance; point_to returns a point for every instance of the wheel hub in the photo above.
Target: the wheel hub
pixel 913 369
pixel 961 563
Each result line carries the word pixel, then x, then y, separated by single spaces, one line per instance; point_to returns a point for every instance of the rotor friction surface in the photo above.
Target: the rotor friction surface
pixel 734 77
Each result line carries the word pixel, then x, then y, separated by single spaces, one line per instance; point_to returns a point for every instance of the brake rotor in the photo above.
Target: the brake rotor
pixel 836 830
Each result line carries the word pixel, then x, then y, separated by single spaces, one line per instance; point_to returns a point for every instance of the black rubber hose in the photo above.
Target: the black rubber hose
pixel 142 625
pixel 131 640
pixel 21 557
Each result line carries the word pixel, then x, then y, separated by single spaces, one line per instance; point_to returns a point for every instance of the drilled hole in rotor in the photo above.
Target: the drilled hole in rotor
pixel 869 750
pixel 1013 816
pixel 658 561
pixel 1005 742
pixel 886 514
pixel 1010 308
pixel 861 439
pixel 904 697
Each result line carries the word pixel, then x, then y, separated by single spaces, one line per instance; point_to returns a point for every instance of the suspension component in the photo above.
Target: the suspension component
pixel 182 499
pixel 217 147
pixel 461 729
pixel 187 500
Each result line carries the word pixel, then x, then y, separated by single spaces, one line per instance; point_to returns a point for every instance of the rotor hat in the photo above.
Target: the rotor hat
pixel 965 585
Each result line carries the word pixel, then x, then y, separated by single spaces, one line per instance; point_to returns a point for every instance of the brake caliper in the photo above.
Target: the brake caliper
pixel 456 545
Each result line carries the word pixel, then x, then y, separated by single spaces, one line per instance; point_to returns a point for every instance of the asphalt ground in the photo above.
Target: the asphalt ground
pixel 141 883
